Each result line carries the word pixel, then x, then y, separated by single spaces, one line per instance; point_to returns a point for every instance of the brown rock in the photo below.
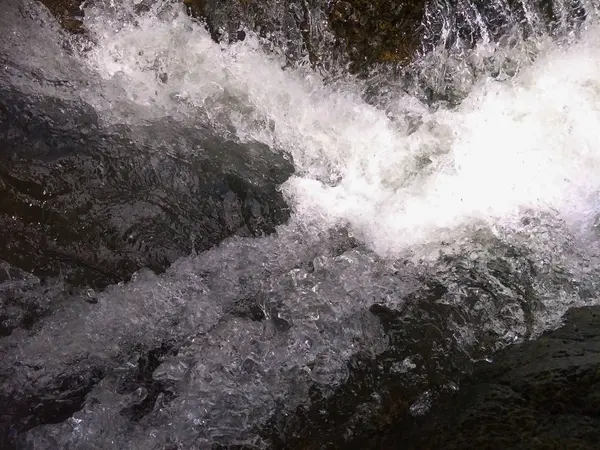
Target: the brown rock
pixel 377 31
pixel 67 12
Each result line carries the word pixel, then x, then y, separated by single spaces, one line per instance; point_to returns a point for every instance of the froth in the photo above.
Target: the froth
pixel 530 142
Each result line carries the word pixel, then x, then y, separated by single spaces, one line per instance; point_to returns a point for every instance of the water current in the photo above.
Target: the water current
pixel 459 193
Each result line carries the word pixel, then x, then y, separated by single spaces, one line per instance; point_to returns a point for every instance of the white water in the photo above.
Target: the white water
pixel 527 143
pixel 405 177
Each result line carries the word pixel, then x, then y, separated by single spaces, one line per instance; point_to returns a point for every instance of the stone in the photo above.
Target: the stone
pixel 381 31
pixel 68 13
pixel 543 393
pixel 85 200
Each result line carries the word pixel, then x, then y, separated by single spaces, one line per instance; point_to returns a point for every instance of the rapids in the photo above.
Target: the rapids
pixel 458 195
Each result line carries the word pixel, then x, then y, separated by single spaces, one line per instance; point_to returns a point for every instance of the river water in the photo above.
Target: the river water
pixel 468 181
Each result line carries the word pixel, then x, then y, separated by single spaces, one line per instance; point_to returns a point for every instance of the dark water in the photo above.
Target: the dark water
pixel 211 244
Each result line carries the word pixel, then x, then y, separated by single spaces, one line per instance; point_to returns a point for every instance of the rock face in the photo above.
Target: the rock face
pixel 540 394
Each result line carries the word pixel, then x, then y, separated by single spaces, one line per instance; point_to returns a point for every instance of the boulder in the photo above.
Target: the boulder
pixel 92 199
pixel 543 393
pixel 97 202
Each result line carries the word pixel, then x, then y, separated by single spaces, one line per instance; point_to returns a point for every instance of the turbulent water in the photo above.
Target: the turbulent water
pixel 482 199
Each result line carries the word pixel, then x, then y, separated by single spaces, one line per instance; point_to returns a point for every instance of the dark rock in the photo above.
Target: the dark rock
pixel 356 31
pixel 426 358
pixel 334 33
pixel 109 350
pixel 418 334
pixel 24 298
pixel 360 34
pixel 543 393
pixel 97 203
pixel 295 26
pixel 140 381
pixel 437 338
pixel 68 13
pixel 379 31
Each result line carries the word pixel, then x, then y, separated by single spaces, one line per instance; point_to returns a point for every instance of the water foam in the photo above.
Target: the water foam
pixel 525 143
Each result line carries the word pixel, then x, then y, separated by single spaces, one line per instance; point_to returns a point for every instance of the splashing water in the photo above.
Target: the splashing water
pixel 527 142
pixel 492 196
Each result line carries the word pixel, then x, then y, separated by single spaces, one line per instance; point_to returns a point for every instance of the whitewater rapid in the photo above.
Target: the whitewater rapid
pixel 484 208
pixel 401 175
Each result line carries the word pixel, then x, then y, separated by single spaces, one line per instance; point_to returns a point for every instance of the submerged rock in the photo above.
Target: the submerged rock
pixel 164 347
pixel 24 298
pixel 287 341
pixel 435 335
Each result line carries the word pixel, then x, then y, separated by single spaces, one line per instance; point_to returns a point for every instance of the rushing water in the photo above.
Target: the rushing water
pixel 483 199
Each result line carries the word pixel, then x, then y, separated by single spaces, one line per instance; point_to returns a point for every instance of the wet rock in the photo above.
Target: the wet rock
pixel 364 35
pixel 110 363
pixel 24 298
pixel 437 335
pixel 68 13
pixel 246 342
pixel 422 362
pixel 378 31
pixel 429 352
pixel 326 33
pixel 97 203
pixel 334 33
pixel 297 28
pixel 543 393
